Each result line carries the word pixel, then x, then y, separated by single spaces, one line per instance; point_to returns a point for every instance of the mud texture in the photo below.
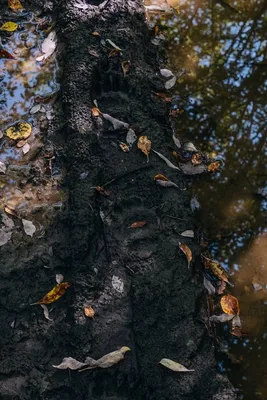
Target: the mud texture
pixel 161 311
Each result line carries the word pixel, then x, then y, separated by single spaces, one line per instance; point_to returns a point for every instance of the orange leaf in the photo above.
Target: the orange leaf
pixel 95 33
pixel 160 177
pixel 15 5
pixel 101 190
pixel 89 312
pixel 95 112
pixel 125 65
pixel 54 294
pixel 230 305
pixel 214 166
pixel 124 147
pixel 138 224
pixel 144 144
pixel 196 159
pixel 6 54
pixel 185 249
pixel 239 332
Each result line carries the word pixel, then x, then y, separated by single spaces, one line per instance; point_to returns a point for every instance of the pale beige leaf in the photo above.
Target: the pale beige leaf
pixel 174 366
pixel 221 318
pixel 29 227
pixel 59 278
pixel 71 363
pixel 46 312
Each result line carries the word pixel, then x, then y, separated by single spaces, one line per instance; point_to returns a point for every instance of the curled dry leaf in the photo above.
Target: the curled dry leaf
pixel 11 211
pixel 19 131
pixel 160 177
pixel 113 45
pixel 126 65
pixel 230 305
pixel 144 144
pixel 131 137
pixel 46 312
pixel 124 147
pixel 216 269
pixel 109 359
pixel 238 332
pixel 138 224
pixel 59 278
pixel 166 183
pixel 54 294
pixel 171 165
pixel 9 26
pixel 196 159
pixel 89 312
pixel 117 124
pixel 15 5
pixel 176 141
pixel 185 249
pixel 95 112
pixel 214 166
pixel 29 227
pixel 71 363
pixel 188 233
pixel 6 54
pixel 221 318
pixel 174 366
pixel 209 286
pixel 114 53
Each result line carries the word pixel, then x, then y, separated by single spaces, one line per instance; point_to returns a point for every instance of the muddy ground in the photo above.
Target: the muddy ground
pixel 161 311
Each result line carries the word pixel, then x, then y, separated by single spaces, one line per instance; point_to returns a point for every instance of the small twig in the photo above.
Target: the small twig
pixel 170 216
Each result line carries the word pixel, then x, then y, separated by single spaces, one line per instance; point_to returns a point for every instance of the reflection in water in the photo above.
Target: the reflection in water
pixel 28 185
pixel 222 46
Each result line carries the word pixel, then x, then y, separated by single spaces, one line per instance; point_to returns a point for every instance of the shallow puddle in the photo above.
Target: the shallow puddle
pixel 28 186
pixel 221 49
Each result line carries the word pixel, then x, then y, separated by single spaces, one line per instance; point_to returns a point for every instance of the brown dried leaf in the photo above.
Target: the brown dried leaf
pixel 95 112
pixel 239 332
pixel 126 65
pixel 144 144
pixel 138 224
pixel 216 269
pixel 11 211
pixel 15 5
pixel 95 33
pixel 214 166
pixel 108 360
pixel 163 96
pixel 124 147
pixel 101 190
pixel 160 177
pixel 6 54
pixel 230 305
pixel 185 249
pixel 114 53
pixel 196 159
pixel 89 312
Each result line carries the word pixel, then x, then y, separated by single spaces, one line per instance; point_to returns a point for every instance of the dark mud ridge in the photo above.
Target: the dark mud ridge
pixel 158 308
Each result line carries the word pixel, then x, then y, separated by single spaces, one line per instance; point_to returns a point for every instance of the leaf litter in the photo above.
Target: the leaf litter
pixel 187 251
pixel 56 293
pixel 144 144
pixel 174 366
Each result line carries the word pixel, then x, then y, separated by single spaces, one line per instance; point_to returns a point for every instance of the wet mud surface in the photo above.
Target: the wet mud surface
pixel 159 307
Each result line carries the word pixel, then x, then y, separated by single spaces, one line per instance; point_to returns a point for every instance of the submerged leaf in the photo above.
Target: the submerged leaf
pixel 54 294
pixel 6 54
pixel 174 366
pixel 35 109
pixel 71 363
pixel 19 131
pixel 185 249
pixel 230 305
pixel 29 227
pixel 144 144
pixel 138 224
pixel 15 5
pixel 9 26
pixel 48 46
pixel 26 148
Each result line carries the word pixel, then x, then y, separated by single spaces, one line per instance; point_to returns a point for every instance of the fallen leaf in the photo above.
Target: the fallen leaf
pixel 2 167
pixel 216 269
pixel 19 131
pixel 101 190
pixel 9 26
pixel 113 45
pixel 11 211
pixel 95 112
pixel 5 236
pixel 114 53
pixel 29 227
pixel 185 249
pixel 176 141
pixel 124 147
pixel 48 46
pixel 160 177
pixel 190 169
pixel 131 137
pixel 209 286
pixel 188 233
pixel 174 366
pixel 54 294
pixel 196 159
pixel 71 363
pixel 89 312
pixel 93 52
pixel 144 144
pixel 236 322
pixel 109 359
pixel 46 312
pixel 163 96
pixel 171 165
pixel 239 332
pixel 188 146
pixel 221 318
pixel 26 148
pixel 170 83
pixel 21 143
pixel 221 288
pixel 214 166
pixel 117 284
pixel 167 73
pixel 230 305
pixel 125 65
pixel 117 124
pixel 138 224
pixel 35 109
pixel 6 54
pixel 15 5
pixel 95 33
pixel 59 278
pixel 166 183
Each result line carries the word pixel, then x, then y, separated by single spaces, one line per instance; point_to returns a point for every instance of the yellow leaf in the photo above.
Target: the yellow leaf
pixel 21 130
pixel 174 366
pixel 15 5
pixel 9 26
pixel 144 144
pixel 216 269
pixel 54 294
pixel 185 249
pixel 230 305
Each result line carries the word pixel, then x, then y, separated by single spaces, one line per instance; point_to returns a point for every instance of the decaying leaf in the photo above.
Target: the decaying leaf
pixel 230 305
pixel 131 137
pixel 117 124
pixel 29 227
pixel 185 249
pixel 209 286
pixel 19 131
pixel 89 312
pixel 54 294
pixel 171 165
pixel 15 5
pixel 144 144
pixel 6 54
pixel 160 177
pixel 238 332
pixel 188 233
pixel 214 166
pixel 216 269
pixel 125 65
pixel 9 26
pixel 174 366
pixel 95 112
pixel 124 147
pixel 163 96
pixel 71 363
pixel 109 359
pixel 190 169
pixel 11 211
pixel 138 224
pixel 221 288
pixel 46 312
pixel 113 45
pixel 117 284
pixel 59 278
pixel 2 168
pixel 221 318
pixel 114 53
pixel 196 159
